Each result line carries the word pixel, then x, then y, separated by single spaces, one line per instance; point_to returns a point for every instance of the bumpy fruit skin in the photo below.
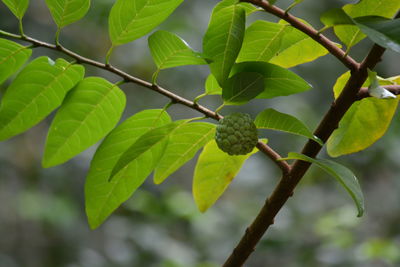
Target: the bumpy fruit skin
pixel 236 134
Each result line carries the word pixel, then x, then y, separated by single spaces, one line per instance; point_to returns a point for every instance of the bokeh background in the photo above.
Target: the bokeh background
pixel 42 219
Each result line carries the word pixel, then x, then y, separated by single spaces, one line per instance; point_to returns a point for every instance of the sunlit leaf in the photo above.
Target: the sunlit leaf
pixel 336 16
pixel 17 7
pixel 212 86
pixel 242 87
pixel 249 8
pixel 363 124
pixel 342 80
pixel 37 90
pixel 102 196
pixel 297 48
pixel 214 171
pixel 168 51
pixel 275 120
pixel 90 111
pixel 223 39
pixel 12 57
pixel 278 81
pixel 184 142
pixel 153 142
pixel 65 12
pixel 342 174
pixel 132 19
pixel 351 35
pixel 262 40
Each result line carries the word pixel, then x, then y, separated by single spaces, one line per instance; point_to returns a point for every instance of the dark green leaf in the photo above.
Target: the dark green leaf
pixel 65 12
pixel 344 176
pixel 272 119
pixel 184 142
pixel 384 32
pixel 168 51
pixel 223 39
pixel 90 111
pixel 132 19
pixel 12 57
pixel 242 87
pixel 351 35
pixel 102 196
pixel 277 80
pixel 37 90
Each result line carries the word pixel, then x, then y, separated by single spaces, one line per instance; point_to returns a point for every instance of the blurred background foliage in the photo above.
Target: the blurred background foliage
pixel 42 218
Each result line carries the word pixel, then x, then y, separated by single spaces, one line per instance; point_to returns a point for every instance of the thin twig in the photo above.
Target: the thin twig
pixel 267 150
pixel 332 47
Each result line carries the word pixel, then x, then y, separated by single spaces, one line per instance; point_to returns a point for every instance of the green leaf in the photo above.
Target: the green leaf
pixel 262 40
pixel 297 48
pixel 12 57
pixel 351 35
pixel 37 90
pixel 223 39
pixel 132 19
pixel 249 8
pixel 214 171
pixel 342 174
pixel 277 80
pixel 275 120
pixel 242 87
pixel 363 124
pixel 184 142
pixel 384 32
pixel 102 196
pixel 89 112
pixel 341 82
pixel 154 142
pixel 212 86
pixel 17 7
pixel 65 12
pixel 335 16
pixel 168 51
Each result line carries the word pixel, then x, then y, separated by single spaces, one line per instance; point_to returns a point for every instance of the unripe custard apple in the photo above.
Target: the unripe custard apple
pixel 236 134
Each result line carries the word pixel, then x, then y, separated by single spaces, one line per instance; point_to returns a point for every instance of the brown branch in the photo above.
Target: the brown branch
pixel 287 184
pixel 332 47
pixel 275 157
pixel 267 150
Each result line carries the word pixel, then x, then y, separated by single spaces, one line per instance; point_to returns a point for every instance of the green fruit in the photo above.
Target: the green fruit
pixel 236 134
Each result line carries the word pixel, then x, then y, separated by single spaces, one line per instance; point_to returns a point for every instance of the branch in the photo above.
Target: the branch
pixel 267 150
pixel 287 184
pixel 332 47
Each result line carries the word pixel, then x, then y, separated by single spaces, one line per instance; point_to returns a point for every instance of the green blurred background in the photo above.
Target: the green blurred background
pixel 42 218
